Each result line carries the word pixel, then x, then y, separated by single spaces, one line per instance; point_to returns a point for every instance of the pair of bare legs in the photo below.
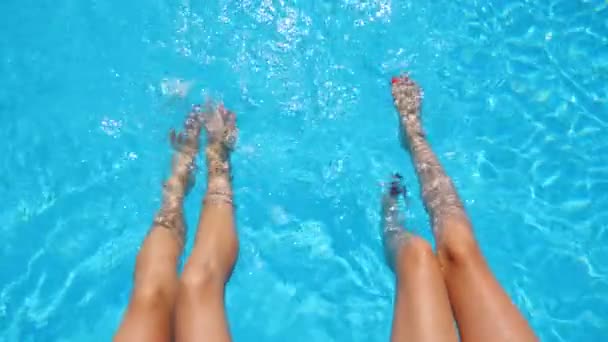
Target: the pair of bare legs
pixel 163 306
pixel 455 285
pixel 433 290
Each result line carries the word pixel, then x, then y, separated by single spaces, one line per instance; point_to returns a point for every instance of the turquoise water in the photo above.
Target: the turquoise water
pixel 516 106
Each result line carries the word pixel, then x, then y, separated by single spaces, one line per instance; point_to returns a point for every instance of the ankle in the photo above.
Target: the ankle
pixel 219 183
pixel 218 171
pixel 217 150
pixel 218 162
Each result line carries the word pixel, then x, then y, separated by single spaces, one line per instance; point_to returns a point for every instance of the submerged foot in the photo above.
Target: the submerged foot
pixel 181 180
pixel 393 233
pixel 187 141
pixel 390 203
pixel 222 133
pixel 407 98
pixel 220 125
pixel 186 144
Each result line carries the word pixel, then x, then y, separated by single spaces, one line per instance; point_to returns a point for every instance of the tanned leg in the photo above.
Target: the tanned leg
pixel 200 312
pixel 149 314
pixel 422 308
pixel 483 310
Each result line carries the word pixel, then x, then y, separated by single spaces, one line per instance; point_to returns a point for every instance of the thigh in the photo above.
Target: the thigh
pixel 483 310
pixel 200 313
pixel 146 321
pixel 422 307
pixel 150 310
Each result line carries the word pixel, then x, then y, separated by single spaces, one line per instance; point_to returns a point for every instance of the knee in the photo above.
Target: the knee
pixel 200 279
pixel 152 295
pixel 414 253
pixel 457 246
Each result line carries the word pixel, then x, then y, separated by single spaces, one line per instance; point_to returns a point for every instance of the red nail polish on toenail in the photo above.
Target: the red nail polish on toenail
pixel 395 80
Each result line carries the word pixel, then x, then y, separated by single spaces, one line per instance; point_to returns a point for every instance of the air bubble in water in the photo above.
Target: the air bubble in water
pixel 175 87
pixel 279 215
pixel 111 127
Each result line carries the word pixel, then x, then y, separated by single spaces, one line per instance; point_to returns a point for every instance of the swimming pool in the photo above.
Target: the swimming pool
pixel 516 105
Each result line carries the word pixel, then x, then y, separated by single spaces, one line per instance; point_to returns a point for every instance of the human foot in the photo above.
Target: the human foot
pixel 392 227
pixel 187 141
pixel 186 145
pixel 220 125
pixel 391 198
pixel 222 132
pixel 407 98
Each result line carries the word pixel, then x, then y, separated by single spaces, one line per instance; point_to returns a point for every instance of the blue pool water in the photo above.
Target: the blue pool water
pixel 516 106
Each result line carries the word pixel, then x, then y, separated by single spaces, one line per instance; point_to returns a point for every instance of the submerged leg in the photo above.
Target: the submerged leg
pixel 422 308
pixel 482 308
pixel 149 314
pixel 200 314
